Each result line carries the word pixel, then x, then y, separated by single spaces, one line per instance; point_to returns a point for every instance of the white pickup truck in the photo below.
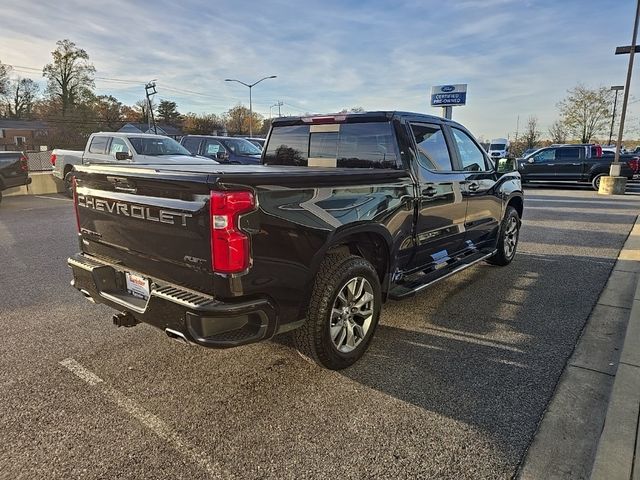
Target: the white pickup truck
pixel 122 149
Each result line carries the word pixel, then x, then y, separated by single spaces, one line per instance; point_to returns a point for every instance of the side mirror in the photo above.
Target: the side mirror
pixel 123 155
pixel 222 155
pixel 531 160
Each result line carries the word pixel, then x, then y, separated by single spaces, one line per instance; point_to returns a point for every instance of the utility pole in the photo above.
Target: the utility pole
pixel 278 104
pixel 250 101
pixel 517 128
pixel 625 100
pixel 150 90
pixel 616 88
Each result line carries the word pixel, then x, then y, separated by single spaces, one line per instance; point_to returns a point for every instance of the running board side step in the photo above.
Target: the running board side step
pixel 407 288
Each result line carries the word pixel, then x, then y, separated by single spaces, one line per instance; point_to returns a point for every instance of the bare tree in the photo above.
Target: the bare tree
pixel 70 75
pixel 4 79
pixel 21 96
pixel 585 112
pixel 558 132
pixel 531 134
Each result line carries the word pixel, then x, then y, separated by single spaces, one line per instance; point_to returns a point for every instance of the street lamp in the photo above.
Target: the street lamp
pixel 250 103
pixel 616 88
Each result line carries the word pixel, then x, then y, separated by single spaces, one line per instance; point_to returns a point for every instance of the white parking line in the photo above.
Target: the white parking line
pixel 54 198
pixel 602 202
pixel 149 420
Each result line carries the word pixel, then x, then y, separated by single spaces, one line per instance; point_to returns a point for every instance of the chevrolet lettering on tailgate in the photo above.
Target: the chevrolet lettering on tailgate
pixel 135 211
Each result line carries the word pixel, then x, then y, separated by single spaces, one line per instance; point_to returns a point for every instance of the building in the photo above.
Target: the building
pixel 25 135
pixel 167 130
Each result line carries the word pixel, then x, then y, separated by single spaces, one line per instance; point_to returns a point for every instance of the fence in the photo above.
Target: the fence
pixel 40 161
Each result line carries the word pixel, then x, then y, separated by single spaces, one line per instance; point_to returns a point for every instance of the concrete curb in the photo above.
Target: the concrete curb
pixel 41 184
pixel 618 453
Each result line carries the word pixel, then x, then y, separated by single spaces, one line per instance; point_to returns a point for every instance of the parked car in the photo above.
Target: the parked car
pixel 529 151
pixel 121 148
pixel 631 159
pixel 565 163
pixel 258 142
pixel 499 148
pixel 345 212
pixel 14 170
pixel 223 149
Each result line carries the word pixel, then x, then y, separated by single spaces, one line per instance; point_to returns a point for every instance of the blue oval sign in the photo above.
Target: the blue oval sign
pixel 448 88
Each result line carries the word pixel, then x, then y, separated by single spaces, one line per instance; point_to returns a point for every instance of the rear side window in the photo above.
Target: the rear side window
pixel 288 146
pixel 98 145
pixel 432 147
pixel 569 153
pixel 343 145
pixel 191 144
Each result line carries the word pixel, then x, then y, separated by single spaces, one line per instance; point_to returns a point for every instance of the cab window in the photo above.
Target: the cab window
pixel 471 155
pixel 98 144
pixel 543 156
pixel 433 153
pixel 118 145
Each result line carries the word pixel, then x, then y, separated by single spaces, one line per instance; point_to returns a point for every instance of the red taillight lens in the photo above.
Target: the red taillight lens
pixel 75 201
pixel 53 160
pixel 634 164
pixel 24 163
pixel 230 249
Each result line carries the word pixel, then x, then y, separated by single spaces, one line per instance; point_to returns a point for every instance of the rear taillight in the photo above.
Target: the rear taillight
pixel 24 163
pixel 75 201
pixel 53 160
pixel 230 246
pixel 634 164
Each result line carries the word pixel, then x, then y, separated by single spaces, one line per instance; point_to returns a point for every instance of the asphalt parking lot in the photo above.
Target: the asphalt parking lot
pixel 453 386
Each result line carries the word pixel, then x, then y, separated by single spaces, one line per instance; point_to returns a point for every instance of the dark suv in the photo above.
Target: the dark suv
pixel 565 163
pixel 14 170
pixel 223 149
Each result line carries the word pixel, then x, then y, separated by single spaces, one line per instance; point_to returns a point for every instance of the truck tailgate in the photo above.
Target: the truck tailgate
pixel 156 227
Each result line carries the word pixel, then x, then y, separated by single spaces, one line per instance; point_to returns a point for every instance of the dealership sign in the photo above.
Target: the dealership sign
pixel 449 95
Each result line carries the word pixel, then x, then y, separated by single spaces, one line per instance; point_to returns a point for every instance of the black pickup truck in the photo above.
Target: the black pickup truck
pixel 345 212
pixel 570 163
pixel 14 170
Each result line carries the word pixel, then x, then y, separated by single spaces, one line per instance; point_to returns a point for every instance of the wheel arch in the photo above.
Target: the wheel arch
pixel 372 242
pixel 517 202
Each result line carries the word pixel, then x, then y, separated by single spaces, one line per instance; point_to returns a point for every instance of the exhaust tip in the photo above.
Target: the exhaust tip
pixel 177 336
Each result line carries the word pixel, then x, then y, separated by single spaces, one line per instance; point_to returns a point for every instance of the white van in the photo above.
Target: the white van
pixel 499 148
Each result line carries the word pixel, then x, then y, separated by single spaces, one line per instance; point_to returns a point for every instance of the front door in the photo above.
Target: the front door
pixel 484 206
pixel 541 166
pixel 441 210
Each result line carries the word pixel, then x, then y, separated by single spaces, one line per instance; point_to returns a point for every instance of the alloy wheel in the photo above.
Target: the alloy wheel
pixel 351 314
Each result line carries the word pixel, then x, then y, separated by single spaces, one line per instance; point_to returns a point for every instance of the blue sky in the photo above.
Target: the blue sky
pixel 518 57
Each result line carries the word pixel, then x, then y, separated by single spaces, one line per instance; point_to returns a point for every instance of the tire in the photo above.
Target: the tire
pixel 595 181
pixel 68 184
pixel 339 326
pixel 508 241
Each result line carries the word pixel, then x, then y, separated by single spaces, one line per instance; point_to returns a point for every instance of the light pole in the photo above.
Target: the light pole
pixel 616 88
pixel 250 102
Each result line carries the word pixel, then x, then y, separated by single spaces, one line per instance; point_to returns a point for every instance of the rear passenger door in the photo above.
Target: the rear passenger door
pixel 98 150
pixel 484 205
pixel 441 206
pixel 569 164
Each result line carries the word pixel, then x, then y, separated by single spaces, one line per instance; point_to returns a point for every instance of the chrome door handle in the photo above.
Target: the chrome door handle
pixel 473 187
pixel 429 191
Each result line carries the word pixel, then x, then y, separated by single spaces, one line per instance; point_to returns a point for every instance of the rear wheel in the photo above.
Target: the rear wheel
pixel 508 241
pixel 595 181
pixel 68 184
pixel 343 312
